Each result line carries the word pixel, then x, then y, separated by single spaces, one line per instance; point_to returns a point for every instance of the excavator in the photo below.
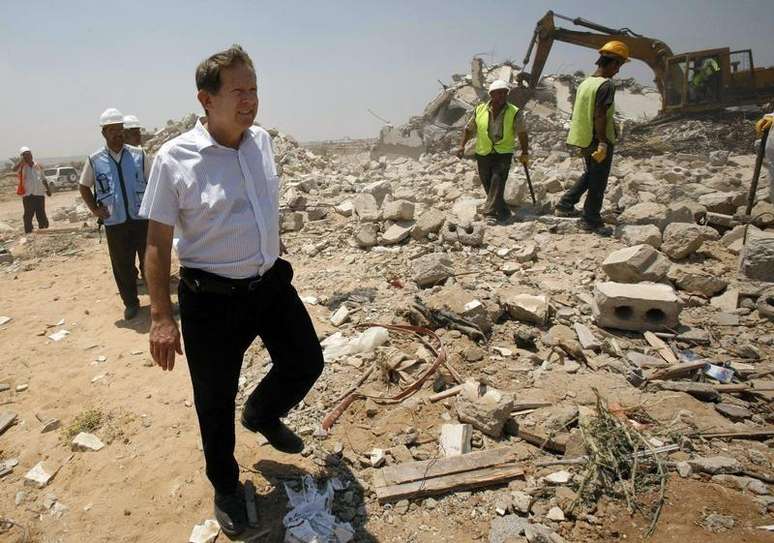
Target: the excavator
pixel 691 82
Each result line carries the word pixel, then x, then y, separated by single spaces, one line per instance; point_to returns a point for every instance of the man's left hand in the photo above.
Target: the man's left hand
pixel 48 192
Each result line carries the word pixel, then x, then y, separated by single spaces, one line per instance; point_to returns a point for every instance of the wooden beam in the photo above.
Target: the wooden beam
pixel 429 477
pixel 7 418
pixel 661 347
pixel 676 371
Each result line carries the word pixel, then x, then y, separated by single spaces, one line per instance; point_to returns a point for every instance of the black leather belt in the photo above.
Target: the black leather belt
pixel 209 283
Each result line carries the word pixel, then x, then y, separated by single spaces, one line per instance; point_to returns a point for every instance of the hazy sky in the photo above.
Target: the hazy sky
pixel 320 65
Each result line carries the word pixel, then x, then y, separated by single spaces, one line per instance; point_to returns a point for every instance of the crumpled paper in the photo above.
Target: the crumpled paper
pixel 310 519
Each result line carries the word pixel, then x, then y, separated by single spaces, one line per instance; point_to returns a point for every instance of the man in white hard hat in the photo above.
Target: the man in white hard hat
pixel 32 188
pixel 213 193
pixel 132 131
pixel 496 124
pixel 112 186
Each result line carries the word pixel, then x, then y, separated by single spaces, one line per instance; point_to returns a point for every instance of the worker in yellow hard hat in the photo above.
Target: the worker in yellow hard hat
pixel 593 131
pixel 761 127
pixel 497 124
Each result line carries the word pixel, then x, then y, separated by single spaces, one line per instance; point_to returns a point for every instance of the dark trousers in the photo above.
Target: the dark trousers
pixel 593 182
pixel 34 205
pixel 126 241
pixel 217 330
pixel 493 171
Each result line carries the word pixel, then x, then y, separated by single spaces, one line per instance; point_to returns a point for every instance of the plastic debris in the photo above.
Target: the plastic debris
pixel 310 519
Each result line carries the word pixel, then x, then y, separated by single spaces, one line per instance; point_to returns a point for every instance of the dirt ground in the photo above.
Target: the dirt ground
pixel 148 485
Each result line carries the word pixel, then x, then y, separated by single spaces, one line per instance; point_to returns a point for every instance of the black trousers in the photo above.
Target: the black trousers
pixel 34 206
pixel 493 171
pixel 126 241
pixel 593 182
pixel 217 330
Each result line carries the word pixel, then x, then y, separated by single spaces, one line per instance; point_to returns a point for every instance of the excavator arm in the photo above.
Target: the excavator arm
pixel 650 51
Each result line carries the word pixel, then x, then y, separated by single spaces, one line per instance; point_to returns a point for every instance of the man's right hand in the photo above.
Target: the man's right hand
pixel 102 213
pixel 164 342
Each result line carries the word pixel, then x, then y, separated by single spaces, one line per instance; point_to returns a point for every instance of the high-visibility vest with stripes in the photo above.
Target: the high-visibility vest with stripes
pixel 120 185
pixel 484 144
pixel 582 125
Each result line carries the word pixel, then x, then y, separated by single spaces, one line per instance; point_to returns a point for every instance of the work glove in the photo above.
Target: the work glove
pixel 601 153
pixel 524 159
pixel 764 124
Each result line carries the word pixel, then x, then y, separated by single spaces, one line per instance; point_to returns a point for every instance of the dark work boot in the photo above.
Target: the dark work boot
pixel 595 228
pixel 130 312
pixel 278 435
pixel 231 512
pixel 564 212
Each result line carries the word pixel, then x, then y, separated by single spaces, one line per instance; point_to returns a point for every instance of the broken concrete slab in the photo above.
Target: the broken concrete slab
pixel 700 391
pixel 429 222
pixel 757 260
pixel 694 280
pixel 505 529
pixel 715 464
pixel 340 316
pixel 486 408
pixel 40 475
pixel 645 213
pixel 429 270
pixel 365 207
pixel 396 233
pixel 586 337
pixel 527 307
pixel 640 306
pixel 455 439
pixel 398 210
pixel 734 412
pixel 681 240
pixel 207 532
pixel 728 301
pixel 635 264
pixel 632 234
pixel 292 222
pixel 85 441
pixel 367 235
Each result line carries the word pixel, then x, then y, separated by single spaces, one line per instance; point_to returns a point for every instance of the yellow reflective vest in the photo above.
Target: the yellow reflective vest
pixel 582 125
pixel 484 144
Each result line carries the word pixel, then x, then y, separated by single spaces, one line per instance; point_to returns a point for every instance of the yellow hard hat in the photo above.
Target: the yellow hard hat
pixel 617 48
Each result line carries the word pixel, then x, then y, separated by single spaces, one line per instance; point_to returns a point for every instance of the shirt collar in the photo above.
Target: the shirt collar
pixel 203 139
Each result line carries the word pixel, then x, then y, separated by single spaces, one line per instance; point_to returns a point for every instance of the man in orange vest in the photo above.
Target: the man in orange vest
pixel 32 188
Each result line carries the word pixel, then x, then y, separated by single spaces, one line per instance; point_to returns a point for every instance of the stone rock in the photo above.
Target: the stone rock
pixel 684 469
pixel 367 235
pixel 561 417
pixel 715 464
pixel 430 221
pixel 645 213
pixel 455 439
pixel 464 211
pixel 586 337
pixel 398 210
pixel 555 514
pixel 397 233
pixel 526 253
pixel 505 529
pixel 722 202
pixel 521 501
pixel 527 308
pixel 758 255
pixel 696 281
pixel 727 302
pixel 295 200
pixel 683 239
pixel 431 269
pixel 538 533
pixel 476 312
pixel 733 412
pixel 345 208
pixel 635 264
pixel 292 222
pixel 558 477
pixel 719 157
pixel 516 191
pixel 86 442
pixel 486 408
pixel 207 532
pixel 40 475
pixel 632 234
pixel 378 189
pixel 679 212
pixel 366 208
pixel 377 458
pixel 638 307
pixel 340 316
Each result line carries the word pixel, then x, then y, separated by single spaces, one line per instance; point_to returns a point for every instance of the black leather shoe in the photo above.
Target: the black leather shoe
pixel 278 435
pixel 231 512
pixel 595 228
pixel 130 312
pixel 562 212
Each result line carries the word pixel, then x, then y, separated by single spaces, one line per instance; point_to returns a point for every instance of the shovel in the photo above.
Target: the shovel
pixel 532 192
pixel 756 173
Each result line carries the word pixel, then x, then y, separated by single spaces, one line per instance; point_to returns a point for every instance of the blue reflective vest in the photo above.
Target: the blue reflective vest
pixel 119 186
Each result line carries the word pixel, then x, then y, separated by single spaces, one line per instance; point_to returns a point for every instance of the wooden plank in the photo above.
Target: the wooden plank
pixel 539 439
pixel 7 418
pixel 760 434
pixel 427 469
pixel 453 391
pixel 449 483
pixel 524 406
pixel 661 347
pixel 676 371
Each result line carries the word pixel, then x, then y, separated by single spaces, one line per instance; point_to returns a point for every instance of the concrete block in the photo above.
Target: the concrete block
pixel 455 439
pixel 527 308
pixel 640 306
pixel 486 408
pixel 635 264
pixel 86 442
pixel 758 255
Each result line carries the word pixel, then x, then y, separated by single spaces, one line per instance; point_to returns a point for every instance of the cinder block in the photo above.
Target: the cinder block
pixel 638 307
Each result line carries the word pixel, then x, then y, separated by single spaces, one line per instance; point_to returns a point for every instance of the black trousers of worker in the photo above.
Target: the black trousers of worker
pixel 593 182
pixel 126 241
pixel 34 206
pixel 493 171
pixel 217 330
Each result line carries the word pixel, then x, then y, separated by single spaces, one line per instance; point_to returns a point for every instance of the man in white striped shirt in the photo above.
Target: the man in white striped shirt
pixel 214 193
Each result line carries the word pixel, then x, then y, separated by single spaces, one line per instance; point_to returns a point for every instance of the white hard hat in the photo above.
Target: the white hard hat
pixel 498 84
pixel 111 116
pixel 131 121
pixel 24 150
